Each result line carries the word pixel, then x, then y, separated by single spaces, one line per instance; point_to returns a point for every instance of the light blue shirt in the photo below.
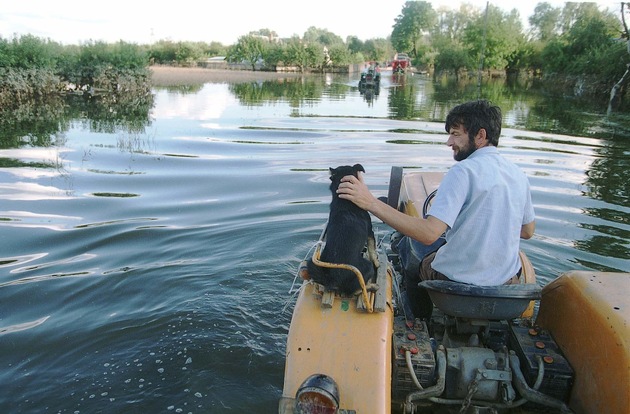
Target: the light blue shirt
pixel 484 200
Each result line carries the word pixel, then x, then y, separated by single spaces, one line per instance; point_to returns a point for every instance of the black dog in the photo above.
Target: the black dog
pixel 349 230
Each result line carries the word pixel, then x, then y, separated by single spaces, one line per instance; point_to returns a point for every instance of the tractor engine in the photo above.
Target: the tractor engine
pixel 478 367
pixel 470 370
pixel 478 372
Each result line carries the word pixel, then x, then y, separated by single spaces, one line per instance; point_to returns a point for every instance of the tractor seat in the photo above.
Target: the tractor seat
pixel 503 302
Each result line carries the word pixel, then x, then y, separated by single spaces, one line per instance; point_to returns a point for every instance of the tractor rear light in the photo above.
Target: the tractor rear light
pixel 318 394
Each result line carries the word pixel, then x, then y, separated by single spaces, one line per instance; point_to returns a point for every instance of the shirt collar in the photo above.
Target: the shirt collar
pixel 490 149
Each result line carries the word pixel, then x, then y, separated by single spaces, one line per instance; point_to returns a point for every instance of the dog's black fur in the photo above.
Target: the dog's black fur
pixel 348 232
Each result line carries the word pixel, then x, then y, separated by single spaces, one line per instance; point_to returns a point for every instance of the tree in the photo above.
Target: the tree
pixel 215 49
pixel 295 54
pixel 315 57
pixel 590 31
pixel 339 55
pixel 377 50
pixel 545 21
pixel 354 44
pixel 573 12
pixel 451 23
pixel 587 47
pixel 181 53
pixel 447 38
pixel 616 89
pixel 187 53
pixel 321 36
pixel 501 42
pixel 274 54
pixel 453 58
pixel 554 58
pixel 248 48
pixel 412 25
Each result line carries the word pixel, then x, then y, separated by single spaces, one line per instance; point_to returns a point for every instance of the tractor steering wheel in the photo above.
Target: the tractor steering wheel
pixel 427 203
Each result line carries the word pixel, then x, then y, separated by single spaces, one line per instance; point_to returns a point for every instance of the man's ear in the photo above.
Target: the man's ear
pixel 481 139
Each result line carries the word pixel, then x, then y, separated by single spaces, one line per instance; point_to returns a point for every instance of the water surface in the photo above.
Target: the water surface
pixel 149 246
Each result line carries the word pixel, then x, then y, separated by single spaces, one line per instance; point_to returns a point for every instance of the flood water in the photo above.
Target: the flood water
pixel 149 246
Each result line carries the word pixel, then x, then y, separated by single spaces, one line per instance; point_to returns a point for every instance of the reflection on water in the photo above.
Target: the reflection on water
pixel 525 106
pixel 149 244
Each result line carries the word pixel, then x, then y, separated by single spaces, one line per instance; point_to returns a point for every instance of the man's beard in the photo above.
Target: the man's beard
pixel 464 152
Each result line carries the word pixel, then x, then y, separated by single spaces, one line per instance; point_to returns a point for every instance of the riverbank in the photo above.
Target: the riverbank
pixel 171 76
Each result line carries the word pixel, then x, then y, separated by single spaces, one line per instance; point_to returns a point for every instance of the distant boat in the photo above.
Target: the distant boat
pixel 370 78
pixel 401 63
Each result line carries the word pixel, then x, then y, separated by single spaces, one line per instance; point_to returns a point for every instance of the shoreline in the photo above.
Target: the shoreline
pixel 173 76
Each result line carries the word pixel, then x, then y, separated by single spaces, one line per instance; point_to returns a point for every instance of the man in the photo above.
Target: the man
pixel 483 204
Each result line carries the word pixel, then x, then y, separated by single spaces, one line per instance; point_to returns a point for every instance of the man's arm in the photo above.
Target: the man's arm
pixel 425 231
pixel 527 230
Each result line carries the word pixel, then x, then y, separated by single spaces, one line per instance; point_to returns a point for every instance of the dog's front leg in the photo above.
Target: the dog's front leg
pixel 371 249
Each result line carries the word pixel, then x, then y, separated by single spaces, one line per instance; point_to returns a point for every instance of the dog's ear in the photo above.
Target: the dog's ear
pixel 332 171
pixel 357 168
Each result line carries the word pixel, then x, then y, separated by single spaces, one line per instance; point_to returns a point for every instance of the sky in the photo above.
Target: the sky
pixel 144 22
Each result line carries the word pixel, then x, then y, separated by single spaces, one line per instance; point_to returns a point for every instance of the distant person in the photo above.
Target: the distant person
pixel 483 205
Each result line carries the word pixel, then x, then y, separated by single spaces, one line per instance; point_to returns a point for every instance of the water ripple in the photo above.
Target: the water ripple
pixel 22 326
pixel 35 279
pixel 20 260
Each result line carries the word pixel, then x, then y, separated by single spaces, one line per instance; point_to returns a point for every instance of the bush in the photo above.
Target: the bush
pixel 31 67
pixel 181 53
pixel 19 85
pixel 29 52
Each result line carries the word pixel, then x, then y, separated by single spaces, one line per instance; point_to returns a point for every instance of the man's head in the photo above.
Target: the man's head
pixel 479 121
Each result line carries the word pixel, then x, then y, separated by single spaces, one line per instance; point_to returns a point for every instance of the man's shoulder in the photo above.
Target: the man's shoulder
pixel 489 157
pixel 459 169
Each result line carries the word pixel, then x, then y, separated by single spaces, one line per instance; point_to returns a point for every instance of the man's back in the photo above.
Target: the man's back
pixel 484 200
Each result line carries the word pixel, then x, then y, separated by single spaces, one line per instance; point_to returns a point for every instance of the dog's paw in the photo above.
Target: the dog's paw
pixel 358 292
pixel 369 287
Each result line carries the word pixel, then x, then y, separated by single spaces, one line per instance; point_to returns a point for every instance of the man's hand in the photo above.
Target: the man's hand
pixel 354 189
pixel 424 230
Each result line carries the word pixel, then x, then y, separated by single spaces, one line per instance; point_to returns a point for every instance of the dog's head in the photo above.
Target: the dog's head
pixel 336 174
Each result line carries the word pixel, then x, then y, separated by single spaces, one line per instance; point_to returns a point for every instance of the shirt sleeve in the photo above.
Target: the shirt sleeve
pixel 528 214
pixel 451 195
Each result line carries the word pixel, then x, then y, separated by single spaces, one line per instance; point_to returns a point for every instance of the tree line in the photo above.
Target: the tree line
pixel 584 46
pixel 578 42
pixel 319 49
pixel 577 39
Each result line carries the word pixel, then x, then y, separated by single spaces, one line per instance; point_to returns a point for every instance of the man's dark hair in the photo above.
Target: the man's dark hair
pixel 475 115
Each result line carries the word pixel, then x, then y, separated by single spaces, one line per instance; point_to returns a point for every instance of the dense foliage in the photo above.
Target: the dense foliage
pixel 575 39
pixel 317 50
pixel 583 45
pixel 32 67
pixel 166 52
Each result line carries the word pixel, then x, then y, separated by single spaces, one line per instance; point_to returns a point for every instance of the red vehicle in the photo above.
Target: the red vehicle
pixel 401 63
